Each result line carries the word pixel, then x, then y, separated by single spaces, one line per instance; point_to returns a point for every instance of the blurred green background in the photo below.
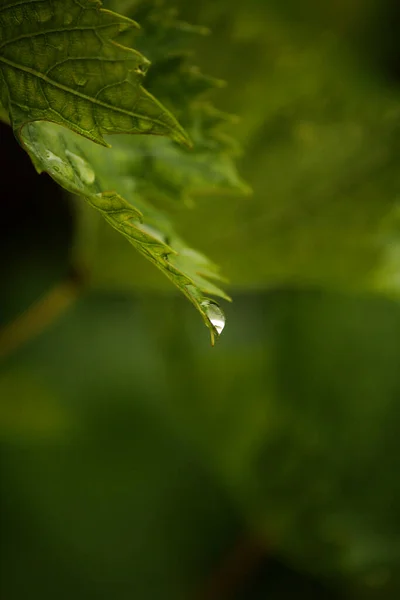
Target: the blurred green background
pixel 136 461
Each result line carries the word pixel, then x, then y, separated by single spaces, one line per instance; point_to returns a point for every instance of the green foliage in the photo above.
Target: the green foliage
pixel 64 66
pixel 63 156
pixel 320 127
pixel 60 62
pixel 134 459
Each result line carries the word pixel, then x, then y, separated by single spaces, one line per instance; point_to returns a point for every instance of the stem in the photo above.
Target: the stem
pixel 40 314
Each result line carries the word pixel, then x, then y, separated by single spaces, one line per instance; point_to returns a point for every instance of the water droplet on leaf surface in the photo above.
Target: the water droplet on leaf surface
pixel 214 315
pixel 83 168
pixel 144 125
pixel 58 165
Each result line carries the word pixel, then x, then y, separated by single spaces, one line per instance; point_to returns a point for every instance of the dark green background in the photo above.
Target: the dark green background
pixel 135 458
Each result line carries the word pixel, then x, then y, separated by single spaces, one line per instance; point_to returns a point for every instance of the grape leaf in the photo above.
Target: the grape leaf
pixel 93 172
pixel 182 87
pixel 60 64
pixel 161 170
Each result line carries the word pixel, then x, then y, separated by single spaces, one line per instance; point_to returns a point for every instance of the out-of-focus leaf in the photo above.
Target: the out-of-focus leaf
pixel 320 128
pixel 181 86
pixel 173 171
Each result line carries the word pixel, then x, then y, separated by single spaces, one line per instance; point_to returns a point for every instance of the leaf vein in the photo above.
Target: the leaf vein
pixel 61 30
pixel 73 92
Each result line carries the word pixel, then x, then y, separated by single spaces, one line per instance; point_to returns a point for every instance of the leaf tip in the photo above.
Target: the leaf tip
pixel 181 137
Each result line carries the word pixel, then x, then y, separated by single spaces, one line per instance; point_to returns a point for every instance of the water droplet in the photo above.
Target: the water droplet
pixel 144 125
pixel 68 18
pixel 58 165
pixel 214 314
pixel 83 168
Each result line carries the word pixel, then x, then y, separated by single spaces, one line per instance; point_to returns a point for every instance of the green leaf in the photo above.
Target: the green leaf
pixel 93 172
pixel 161 170
pixel 182 87
pixel 59 62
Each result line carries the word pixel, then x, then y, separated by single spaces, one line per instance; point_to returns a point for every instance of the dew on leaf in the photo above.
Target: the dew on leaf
pixel 58 165
pixel 144 125
pixel 214 315
pixel 85 171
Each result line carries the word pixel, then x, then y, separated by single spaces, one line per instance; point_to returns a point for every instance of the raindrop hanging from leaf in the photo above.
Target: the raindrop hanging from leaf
pixel 216 317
